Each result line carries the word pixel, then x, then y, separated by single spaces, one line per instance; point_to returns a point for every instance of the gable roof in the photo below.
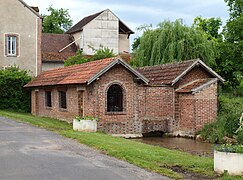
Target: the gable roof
pixel 81 74
pixel 51 44
pixel 30 8
pixel 79 26
pixel 169 74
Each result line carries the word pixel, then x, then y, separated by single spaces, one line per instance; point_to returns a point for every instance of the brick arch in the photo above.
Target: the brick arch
pixel 124 92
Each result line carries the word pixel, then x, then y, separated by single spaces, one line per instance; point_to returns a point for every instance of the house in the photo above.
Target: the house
pixel 20 31
pixel 178 97
pixel 101 29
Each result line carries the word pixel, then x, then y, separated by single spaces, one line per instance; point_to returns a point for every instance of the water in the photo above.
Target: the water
pixel 183 144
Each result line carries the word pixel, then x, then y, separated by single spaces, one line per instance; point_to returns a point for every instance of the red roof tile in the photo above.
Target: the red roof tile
pixel 51 45
pixel 166 73
pixel 189 87
pixel 77 74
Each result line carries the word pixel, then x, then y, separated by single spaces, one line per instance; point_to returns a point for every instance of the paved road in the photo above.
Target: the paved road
pixel 31 153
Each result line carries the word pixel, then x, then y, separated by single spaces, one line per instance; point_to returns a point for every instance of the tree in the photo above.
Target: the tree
pixel 231 57
pixel 57 22
pixel 211 26
pixel 173 41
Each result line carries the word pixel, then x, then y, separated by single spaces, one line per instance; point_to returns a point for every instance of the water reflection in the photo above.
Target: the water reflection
pixel 188 145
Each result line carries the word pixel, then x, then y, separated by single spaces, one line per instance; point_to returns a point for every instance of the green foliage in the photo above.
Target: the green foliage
pixel 12 94
pixel 211 26
pixel 230 148
pixel 173 41
pixel 227 122
pixel 102 53
pixel 231 57
pixel 57 22
pixel 77 59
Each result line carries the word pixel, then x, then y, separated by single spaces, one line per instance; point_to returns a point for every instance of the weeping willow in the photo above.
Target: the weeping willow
pixel 174 41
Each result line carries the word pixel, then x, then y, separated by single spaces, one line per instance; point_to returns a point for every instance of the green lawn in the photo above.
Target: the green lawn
pixel 153 158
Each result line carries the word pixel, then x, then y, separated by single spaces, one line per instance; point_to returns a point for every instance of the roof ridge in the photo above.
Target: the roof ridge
pixel 172 63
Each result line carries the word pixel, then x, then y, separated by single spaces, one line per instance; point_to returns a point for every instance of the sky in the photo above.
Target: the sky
pixel 138 12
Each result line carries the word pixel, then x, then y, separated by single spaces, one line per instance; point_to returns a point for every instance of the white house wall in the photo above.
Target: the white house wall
pixel 102 31
pixel 18 19
pixel 124 43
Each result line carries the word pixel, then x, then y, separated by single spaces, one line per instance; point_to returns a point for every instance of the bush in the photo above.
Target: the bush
pixel 102 53
pixel 12 94
pixel 77 59
pixel 230 148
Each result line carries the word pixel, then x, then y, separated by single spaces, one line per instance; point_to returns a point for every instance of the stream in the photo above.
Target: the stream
pixel 183 144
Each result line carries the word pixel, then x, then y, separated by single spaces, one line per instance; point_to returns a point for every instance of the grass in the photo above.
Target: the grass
pixel 153 158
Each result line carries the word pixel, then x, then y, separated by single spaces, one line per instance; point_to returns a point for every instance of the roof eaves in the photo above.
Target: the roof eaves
pixel 211 71
pixel 207 84
pixel 184 72
pixel 26 5
pixel 113 63
pixel 135 72
pixel 129 32
pixel 198 61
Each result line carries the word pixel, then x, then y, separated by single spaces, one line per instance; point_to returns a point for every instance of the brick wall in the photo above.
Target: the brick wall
pixel 39 108
pixel 96 103
pixel 194 74
pixel 145 108
pixel 197 109
pixel 206 105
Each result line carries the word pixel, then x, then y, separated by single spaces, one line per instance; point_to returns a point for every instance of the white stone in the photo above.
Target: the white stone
pixel 85 125
pixel 231 162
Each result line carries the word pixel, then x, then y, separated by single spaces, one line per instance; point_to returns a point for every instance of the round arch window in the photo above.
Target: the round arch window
pixel 115 98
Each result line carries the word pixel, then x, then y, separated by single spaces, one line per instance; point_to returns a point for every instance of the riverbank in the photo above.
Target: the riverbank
pixel 171 163
pixel 195 147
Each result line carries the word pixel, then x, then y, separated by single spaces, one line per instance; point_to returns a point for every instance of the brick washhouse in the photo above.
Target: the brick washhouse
pixel 174 98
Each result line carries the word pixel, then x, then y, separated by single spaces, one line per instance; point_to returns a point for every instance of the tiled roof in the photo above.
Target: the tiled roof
pixel 191 86
pixel 165 74
pixel 77 74
pixel 51 45
pixel 123 29
pixel 81 74
pixel 78 27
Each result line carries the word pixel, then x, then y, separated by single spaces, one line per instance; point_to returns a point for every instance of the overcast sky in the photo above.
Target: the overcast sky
pixel 138 12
